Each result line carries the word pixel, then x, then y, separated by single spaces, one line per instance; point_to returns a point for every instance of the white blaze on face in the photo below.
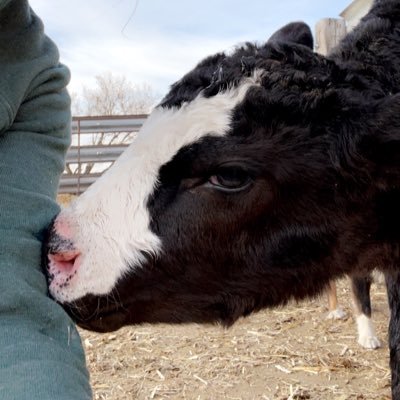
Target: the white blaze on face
pixel 109 223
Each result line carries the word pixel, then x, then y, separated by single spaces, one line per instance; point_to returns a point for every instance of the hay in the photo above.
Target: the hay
pixel 290 353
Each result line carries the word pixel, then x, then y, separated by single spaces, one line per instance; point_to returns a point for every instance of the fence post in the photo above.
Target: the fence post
pixel 79 157
pixel 328 33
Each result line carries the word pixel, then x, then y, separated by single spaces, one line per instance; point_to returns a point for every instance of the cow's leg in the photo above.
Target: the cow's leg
pixel 360 286
pixel 334 311
pixel 393 289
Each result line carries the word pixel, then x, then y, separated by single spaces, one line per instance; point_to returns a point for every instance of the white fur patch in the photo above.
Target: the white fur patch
pixel 109 223
pixel 366 333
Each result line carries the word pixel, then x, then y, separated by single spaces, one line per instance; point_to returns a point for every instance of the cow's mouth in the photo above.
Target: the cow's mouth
pixel 92 317
pixel 103 324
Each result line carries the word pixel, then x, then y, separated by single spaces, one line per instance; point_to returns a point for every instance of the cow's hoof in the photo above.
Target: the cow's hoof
pixel 369 342
pixel 336 314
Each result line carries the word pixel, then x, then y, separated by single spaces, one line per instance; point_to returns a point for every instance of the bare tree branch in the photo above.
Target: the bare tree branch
pixel 112 95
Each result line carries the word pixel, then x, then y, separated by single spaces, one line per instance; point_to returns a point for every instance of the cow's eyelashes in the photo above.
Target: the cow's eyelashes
pixel 230 179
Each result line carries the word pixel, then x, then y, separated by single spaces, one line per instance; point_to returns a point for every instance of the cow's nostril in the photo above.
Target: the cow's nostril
pixel 64 261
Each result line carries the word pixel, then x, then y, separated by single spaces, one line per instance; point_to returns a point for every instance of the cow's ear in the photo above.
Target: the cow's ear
pixel 295 32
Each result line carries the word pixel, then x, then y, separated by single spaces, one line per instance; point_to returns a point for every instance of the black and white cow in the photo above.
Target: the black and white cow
pixel 261 176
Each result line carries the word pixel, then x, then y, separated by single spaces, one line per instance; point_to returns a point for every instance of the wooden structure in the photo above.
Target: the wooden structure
pixel 354 12
pixel 329 31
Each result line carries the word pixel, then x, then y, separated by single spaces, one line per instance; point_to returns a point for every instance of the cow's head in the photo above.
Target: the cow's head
pixel 245 188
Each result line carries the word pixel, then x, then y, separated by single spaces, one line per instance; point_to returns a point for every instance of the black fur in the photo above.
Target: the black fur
pixel 393 287
pixel 361 286
pixel 296 33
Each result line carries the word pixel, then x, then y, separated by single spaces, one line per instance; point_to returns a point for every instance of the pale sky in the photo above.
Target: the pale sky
pixel 157 41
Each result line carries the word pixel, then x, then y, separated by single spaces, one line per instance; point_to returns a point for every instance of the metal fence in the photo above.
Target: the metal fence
pixel 96 143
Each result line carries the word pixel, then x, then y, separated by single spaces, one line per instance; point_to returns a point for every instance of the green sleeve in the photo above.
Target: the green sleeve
pixel 41 355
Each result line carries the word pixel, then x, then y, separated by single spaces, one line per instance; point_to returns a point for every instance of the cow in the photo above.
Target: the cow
pixel 262 175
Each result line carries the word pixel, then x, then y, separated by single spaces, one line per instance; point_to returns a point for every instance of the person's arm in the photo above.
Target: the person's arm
pixel 41 355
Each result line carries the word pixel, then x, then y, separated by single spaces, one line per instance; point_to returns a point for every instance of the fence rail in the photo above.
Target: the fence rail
pixel 89 154
pixel 85 162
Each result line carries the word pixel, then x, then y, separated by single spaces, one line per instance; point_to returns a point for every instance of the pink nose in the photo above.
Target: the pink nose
pixel 63 258
pixel 64 262
pixel 62 268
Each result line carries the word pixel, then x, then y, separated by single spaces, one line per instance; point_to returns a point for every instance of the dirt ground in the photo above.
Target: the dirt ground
pixel 288 353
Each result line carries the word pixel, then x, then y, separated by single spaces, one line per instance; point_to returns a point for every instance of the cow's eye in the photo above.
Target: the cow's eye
pixel 230 178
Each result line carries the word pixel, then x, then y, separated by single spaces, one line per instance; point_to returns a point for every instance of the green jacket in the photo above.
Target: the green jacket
pixel 41 355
